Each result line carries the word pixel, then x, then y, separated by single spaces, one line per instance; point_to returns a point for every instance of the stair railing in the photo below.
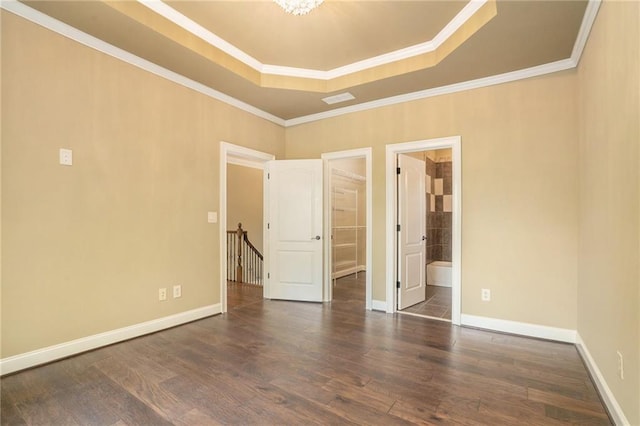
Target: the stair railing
pixel 244 261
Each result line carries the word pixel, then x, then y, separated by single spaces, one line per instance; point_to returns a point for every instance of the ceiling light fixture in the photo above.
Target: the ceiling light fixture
pixel 298 7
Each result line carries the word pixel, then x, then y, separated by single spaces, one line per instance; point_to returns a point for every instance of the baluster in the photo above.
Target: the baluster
pixel 240 234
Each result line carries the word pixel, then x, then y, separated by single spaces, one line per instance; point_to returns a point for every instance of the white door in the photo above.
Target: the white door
pixel 412 248
pixel 294 264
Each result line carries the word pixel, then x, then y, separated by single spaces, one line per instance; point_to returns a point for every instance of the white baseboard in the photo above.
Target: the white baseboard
pixel 348 271
pixel 379 305
pixel 609 399
pixel 63 350
pixel 522 328
pixel 440 284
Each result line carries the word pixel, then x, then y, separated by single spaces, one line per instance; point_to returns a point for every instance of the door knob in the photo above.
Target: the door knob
pixel 424 238
pixel 317 237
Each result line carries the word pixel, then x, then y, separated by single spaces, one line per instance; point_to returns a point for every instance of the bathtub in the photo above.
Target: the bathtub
pixel 439 273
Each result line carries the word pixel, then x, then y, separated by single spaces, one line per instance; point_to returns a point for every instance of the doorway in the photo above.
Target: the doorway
pixel 453 201
pixel 236 156
pixel 347 224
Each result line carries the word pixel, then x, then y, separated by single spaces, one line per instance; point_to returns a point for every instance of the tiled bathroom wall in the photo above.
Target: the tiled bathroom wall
pixel 439 184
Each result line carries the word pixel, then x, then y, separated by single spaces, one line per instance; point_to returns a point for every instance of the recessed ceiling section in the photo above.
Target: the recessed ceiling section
pixel 179 28
pixel 317 41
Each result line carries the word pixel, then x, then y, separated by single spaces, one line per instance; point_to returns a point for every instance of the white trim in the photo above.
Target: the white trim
pixel 585 28
pixel 83 38
pixel 244 162
pixel 412 314
pixel 583 34
pixel 348 271
pixel 74 347
pixel 520 328
pixel 379 305
pixel 352 153
pixel 392 150
pixel 615 411
pixel 59 27
pixel 536 71
pixel 235 154
pixel 199 31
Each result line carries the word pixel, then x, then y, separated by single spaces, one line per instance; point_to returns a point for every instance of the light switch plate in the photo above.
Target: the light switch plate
pixel 66 157
pixel 212 217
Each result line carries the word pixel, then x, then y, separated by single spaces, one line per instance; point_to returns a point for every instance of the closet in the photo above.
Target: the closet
pixel 348 218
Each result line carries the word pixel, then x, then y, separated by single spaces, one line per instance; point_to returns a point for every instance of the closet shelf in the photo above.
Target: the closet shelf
pixel 345 218
pixel 342 264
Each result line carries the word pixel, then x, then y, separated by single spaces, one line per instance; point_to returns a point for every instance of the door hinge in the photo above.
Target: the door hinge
pixel 397 284
pixel 268 224
pixel 268 176
pixel 398 170
pixel 398 228
pixel 268 275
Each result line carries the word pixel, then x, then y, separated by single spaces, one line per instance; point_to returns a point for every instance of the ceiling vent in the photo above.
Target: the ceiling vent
pixel 342 97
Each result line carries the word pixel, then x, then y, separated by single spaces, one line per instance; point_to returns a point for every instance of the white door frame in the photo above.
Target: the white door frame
pixel 242 156
pixel 338 155
pixel 392 151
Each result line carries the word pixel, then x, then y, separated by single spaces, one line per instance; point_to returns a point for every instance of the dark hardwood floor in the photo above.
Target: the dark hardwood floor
pixel 276 362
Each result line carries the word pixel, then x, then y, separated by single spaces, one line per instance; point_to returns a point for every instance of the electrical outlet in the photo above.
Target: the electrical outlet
pixel 485 295
pixel 177 291
pixel 620 365
pixel 162 294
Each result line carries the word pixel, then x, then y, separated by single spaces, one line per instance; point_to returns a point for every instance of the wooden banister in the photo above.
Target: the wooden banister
pixel 244 262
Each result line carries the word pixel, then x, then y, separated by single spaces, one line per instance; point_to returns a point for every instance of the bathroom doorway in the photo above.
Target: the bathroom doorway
pixel 436 241
pixel 440 232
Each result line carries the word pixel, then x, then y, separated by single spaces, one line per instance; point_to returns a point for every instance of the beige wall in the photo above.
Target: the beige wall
pixel 519 189
pixel 244 201
pixel 87 247
pixel 609 280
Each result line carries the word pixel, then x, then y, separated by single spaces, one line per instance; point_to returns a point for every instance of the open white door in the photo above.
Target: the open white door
pixel 412 236
pixel 294 265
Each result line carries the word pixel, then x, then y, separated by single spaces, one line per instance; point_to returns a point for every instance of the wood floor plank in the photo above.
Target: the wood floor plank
pixel 276 362
pixel 49 411
pixel 143 386
pixel 591 408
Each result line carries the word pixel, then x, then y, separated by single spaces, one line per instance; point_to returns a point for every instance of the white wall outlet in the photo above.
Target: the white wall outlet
pixel 162 294
pixel 66 157
pixel 485 294
pixel 620 365
pixel 212 217
pixel 177 291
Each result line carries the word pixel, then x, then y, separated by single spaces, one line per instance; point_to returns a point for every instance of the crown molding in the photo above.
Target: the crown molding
pixel 63 29
pixel 437 91
pixel 581 40
pixel 85 39
pixel 198 30
pixel 585 29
